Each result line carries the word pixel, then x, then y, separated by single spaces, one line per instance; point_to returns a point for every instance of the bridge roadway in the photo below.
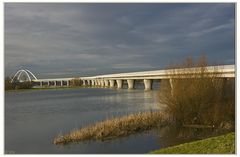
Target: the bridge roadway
pixel 111 80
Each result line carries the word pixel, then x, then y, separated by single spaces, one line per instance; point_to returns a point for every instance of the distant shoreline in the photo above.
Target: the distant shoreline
pixel 47 88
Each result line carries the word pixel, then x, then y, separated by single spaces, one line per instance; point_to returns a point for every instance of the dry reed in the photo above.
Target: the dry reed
pixel 113 128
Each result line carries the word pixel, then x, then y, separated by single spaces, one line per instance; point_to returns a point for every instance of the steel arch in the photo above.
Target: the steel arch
pixel 27 72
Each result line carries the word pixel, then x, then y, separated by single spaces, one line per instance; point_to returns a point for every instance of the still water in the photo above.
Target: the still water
pixel 33 118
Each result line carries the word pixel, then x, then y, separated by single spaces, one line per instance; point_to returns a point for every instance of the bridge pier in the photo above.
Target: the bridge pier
pixel 112 83
pixel 88 83
pixel 119 83
pixel 102 82
pixel 130 84
pixel 147 84
pixel 98 82
pixel 106 82
pixel 84 83
pixel 41 84
pixel 171 85
pixel 93 83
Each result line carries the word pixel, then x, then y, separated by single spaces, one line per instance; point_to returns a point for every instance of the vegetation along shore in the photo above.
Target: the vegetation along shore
pixel 116 127
pixel 224 144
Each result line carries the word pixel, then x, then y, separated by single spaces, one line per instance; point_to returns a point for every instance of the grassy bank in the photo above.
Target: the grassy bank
pixel 113 128
pixel 224 144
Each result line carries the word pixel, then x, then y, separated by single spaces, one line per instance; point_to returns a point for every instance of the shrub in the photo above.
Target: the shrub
pixel 75 82
pixel 23 85
pixel 8 84
pixel 200 98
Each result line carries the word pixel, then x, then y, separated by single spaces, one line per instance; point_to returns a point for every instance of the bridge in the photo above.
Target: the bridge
pixel 116 80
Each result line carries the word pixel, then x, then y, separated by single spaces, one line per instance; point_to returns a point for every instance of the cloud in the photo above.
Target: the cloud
pixel 65 39
pixel 212 29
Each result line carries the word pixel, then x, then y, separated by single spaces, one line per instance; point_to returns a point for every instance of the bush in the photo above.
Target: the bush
pixel 23 85
pixel 17 85
pixel 201 98
pixel 75 82
pixel 8 84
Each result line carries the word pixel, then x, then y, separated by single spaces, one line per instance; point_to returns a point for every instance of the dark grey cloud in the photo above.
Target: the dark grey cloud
pixel 76 39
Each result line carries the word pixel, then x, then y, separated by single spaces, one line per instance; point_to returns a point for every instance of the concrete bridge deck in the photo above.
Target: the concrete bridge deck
pixel 111 80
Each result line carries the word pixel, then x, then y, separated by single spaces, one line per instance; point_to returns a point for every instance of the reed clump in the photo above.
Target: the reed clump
pixel 113 128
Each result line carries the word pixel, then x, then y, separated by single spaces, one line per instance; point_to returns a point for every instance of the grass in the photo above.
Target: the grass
pixel 113 128
pixel 224 144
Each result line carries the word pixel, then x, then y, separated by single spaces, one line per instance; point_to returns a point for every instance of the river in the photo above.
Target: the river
pixel 33 118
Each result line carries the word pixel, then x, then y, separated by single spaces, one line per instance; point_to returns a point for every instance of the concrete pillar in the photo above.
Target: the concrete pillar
pixel 102 82
pixel 41 84
pixel 93 83
pixel 147 84
pixel 171 85
pixel 98 83
pixel 106 82
pixel 48 83
pixel 88 83
pixel 119 83
pixel 130 84
pixel 112 83
pixel 84 83
pixel 67 82
pixel 54 83
pixel 61 82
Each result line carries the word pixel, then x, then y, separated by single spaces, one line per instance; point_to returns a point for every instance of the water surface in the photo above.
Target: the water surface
pixel 33 118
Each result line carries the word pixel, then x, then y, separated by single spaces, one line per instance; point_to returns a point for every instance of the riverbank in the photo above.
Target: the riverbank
pixel 224 144
pixel 113 128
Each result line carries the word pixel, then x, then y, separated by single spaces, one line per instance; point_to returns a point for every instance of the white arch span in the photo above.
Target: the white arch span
pixel 27 72
pixel 35 78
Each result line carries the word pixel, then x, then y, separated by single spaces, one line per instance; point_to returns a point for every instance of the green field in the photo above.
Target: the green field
pixel 224 144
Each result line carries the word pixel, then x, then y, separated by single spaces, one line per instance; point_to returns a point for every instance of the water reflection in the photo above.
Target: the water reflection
pixel 34 118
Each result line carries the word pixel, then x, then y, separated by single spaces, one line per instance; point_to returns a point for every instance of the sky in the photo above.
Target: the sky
pixel 75 39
